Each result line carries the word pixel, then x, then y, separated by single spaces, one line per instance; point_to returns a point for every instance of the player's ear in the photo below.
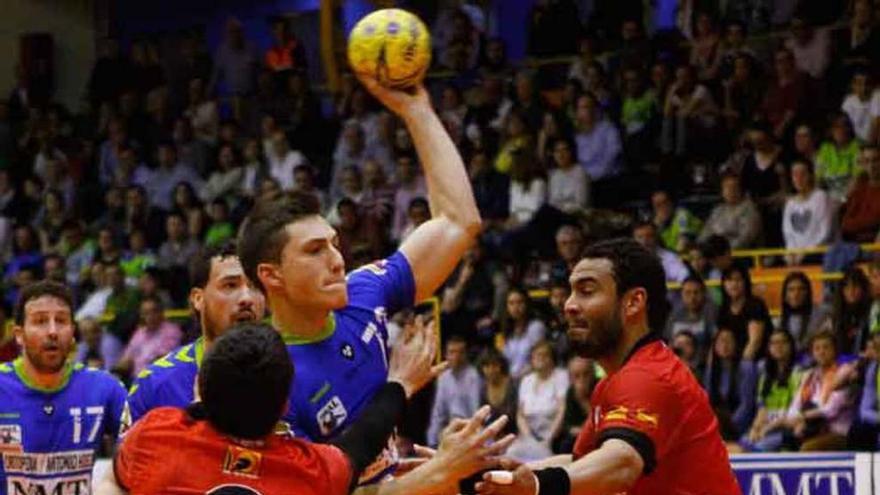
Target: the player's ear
pixel 18 333
pixel 197 298
pixel 636 302
pixel 270 276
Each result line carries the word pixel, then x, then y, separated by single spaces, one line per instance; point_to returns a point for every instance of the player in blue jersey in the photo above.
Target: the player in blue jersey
pixel 221 296
pixel 53 415
pixel 335 326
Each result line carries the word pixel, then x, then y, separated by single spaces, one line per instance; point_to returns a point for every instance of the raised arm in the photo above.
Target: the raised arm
pixel 436 246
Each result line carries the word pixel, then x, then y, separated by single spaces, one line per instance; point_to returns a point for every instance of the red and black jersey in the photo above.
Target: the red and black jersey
pixel 170 453
pixel 655 404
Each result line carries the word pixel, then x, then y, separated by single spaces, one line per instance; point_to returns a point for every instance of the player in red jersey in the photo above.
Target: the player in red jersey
pixel 651 430
pixel 225 445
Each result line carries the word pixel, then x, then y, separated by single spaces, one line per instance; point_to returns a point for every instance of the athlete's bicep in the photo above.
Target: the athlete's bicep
pixel 433 250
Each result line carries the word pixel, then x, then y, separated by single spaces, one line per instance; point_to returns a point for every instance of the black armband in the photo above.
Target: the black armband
pixel 553 481
pixel 367 436
pixel 639 441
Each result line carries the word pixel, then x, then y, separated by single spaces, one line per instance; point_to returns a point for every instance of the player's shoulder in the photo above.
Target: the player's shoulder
pixel 165 418
pixel 379 269
pixel 180 361
pixel 95 377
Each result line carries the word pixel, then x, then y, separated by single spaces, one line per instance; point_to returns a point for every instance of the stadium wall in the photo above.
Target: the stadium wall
pixel 72 26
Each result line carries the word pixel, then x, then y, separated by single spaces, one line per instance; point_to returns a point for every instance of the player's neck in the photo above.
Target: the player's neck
pixel 614 361
pixel 304 322
pixel 45 381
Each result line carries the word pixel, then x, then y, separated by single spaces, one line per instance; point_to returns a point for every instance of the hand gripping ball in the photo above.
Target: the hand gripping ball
pixel 392 45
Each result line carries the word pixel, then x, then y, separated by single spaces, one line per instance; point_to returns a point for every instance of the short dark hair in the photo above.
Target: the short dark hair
pixel 694 279
pixel 263 235
pixel 634 266
pixel 715 246
pixel 200 264
pixel 244 381
pixel 491 355
pixel 40 289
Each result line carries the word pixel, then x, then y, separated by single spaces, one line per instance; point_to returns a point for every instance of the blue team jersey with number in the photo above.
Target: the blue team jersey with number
pixel 48 438
pixel 168 382
pixel 338 372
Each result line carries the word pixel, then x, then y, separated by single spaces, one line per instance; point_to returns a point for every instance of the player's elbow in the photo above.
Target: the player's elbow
pixel 628 465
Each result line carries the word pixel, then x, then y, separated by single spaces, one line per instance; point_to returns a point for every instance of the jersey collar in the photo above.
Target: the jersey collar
pixel 18 367
pixel 642 342
pixel 291 338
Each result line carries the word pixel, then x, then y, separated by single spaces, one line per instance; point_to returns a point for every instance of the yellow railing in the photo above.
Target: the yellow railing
pixel 757 254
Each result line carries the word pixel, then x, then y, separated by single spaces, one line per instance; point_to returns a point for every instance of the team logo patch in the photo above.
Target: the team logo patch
pixel 376 268
pixel 331 415
pixel 242 462
pixel 48 409
pixel 347 351
pixel 10 438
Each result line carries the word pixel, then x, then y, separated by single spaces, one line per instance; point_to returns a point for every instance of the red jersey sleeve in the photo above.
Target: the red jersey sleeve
pixel 133 453
pixel 338 468
pixel 640 409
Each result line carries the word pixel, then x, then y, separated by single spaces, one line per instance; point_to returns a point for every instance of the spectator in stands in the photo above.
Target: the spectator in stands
pixel 849 316
pixel 286 53
pixel 495 60
pixel 706 50
pixel 499 389
pixel 646 235
pixel 254 167
pixel 138 257
pixel 787 95
pixel 569 183
pixel 167 175
pixel 235 63
pixel 695 314
pixel 469 298
pixel 154 338
pixel 764 179
pixel 874 315
pixel 150 285
pixel 541 408
pixel 684 345
pixel 417 212
pixel 676 225
pixel 491 189
pixel 77 250
pixel 557 325
pixel 808 214
pixel 861 217
pixel 598 148
pixel 859 43
pixel 220 229
pixel 582 380
pixel 810 47
pixel 805 144
pixel 528 191
pixel 820 416
pixel 117 137
pixel 638 116
pixel 587 56
pixel 410 185
pixel 837 164
pixel 778 382
pixel 730 381
pixel 743 313
pixel 862 105
pixel 737 218
pixel 527 101
pixel 517 137
pixel 225 181
pixel 689 115
pixel 202 112
pixel 139 215
pixel 177 250
pixel 50 219
pixel 283 160
pixel 88 347
pixel 864 433
pixel 25 252
pixel 521 331
pixel 457 393
pixel 129 170
pixel 800 317
pixel 354 233
pixel 113 212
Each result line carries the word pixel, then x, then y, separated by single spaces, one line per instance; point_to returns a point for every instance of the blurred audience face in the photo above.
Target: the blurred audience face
pixel 374 174
pixel 779 347
pixel 114 277
pixel 801 177
pixel 693 296
pixel 569 243
pixel 823 352
pixel 581 375
pixel 735 286
pixel 662 205
pixel 853 293
pixel 804 143
pixel 731 191
pixel 151 314
pixel 456 354
pixel 840 131
pixel 646 235
pixel 517 308
pixel 252 151
pixel 348 216
pixel 53 268
pixel 725 344
pixel 542 358
pixel 523 86
pixel 175 228
pixel 492 371
pixel 796 292
pixel 586 112
pixel 684 346
pixel 735 35
pixel 269 188
pixel 279 145
pixel 418 214
pixel 167 156
pixel 106 243
pixel 226 158
pixel 350 181
pixel 303 180
pixel 91 332
pixel 698 261
pixel 562 155
pixel 760 140
pixel 870 161
pixel 861 86
pixel 558 295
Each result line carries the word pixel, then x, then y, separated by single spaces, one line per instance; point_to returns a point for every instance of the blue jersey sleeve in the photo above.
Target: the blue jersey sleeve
pixel 386 283
pixel 119 415
pixel 140 397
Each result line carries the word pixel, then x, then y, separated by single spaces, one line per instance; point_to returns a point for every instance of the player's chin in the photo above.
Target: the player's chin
pixel 335 295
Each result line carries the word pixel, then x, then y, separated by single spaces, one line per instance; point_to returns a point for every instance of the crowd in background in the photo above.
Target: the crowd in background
pixel 744 124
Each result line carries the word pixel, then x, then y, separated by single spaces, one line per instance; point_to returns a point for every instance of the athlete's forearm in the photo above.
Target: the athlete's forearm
pixel 555 461
pixel 613 468
pixel 449 191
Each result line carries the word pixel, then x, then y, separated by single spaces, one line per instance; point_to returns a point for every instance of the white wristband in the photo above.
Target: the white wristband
pixel 501 477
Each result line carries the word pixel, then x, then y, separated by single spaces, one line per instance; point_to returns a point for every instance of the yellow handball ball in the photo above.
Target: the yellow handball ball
pixel 392 45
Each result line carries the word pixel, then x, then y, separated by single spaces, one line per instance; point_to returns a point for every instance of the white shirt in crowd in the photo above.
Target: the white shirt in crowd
pixel 525 201
pixel 281 169
pixel 569 189
pixel 807 222
pixel 862 113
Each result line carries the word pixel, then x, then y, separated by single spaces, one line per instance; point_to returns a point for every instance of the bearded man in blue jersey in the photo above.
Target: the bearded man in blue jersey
pixel 54 415
pixel 335 326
